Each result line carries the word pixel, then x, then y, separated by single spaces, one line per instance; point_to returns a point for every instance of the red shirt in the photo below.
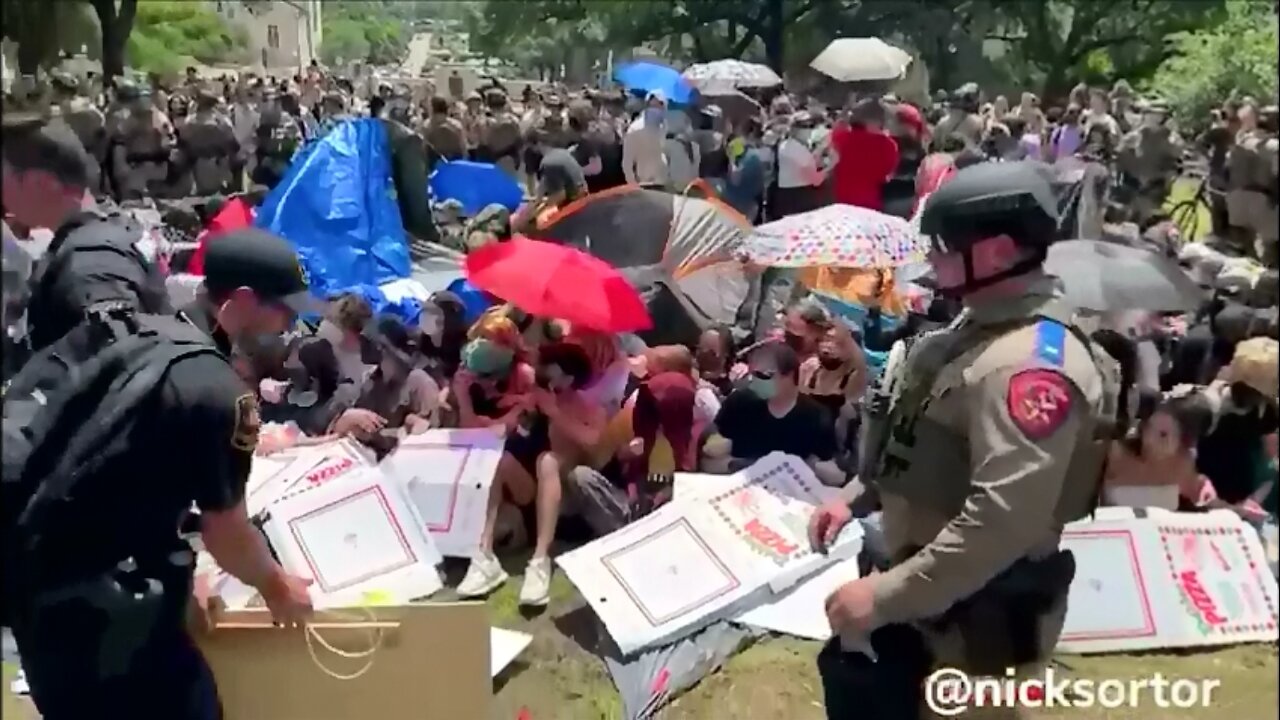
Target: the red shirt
pixel 867 159
pixel 234 215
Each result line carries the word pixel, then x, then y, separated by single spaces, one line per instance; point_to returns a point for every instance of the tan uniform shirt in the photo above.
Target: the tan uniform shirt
pixel 1016 412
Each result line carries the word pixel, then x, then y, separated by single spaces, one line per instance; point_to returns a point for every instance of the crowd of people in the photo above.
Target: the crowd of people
pixel 596 424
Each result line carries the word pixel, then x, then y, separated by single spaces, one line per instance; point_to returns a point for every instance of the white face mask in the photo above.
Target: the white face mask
pixel 431 323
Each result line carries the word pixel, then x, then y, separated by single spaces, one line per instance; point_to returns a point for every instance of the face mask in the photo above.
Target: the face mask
pixel 653 116
pixel 763 388
pixel 431 323
pixel 830 362
pixel 482 357
pixel 802 134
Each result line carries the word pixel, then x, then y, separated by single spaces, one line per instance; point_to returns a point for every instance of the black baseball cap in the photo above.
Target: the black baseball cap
pixel 263 262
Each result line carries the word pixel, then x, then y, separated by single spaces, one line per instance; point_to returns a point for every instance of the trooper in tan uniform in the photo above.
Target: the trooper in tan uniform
pixel 983 440
pixel 141 149
pixel 1251 208
pixel 445 136
pixel 1148 160
pixel 500 138
pixel 85 120
pixel 207 144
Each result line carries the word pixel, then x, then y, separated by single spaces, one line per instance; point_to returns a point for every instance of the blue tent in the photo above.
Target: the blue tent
pixel 476 185
pixel 337 205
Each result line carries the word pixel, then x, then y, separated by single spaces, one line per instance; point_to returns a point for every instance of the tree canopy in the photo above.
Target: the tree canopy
pixel 1048 45
pixel 373 31
pixel 169 36
pixel 1235 58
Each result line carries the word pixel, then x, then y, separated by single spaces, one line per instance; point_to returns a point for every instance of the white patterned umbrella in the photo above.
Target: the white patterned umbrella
pixel 837 236
pixel 736 73
pixel 859 59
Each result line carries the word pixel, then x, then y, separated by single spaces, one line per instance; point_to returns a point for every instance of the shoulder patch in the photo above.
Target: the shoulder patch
pixel 1039 401
pixel 244 435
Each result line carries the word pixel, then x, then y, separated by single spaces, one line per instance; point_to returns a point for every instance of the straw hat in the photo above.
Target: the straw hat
pixel 1256 363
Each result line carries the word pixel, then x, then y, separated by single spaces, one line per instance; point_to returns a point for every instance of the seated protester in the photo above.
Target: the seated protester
pixel 305 396
pixel 443 328
pixel 533 331
pixel 629 472
pixel 555 435
pixel 1237 450
pixel 1156 465
pixel 676 359
pixel 712 359
pixel 770 415
pixel 610 368
pixel 395 396
pixel 492 387
pixel 343 327
pixel 560 182
pixel 835 378
pixel 1208 345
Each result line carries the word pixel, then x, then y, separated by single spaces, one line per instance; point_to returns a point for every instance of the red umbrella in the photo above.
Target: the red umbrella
pixel 234 215
pixel 556 281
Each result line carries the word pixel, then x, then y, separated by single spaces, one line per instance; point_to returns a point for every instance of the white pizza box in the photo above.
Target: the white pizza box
pixel 358 539
pixel 705 558
pixel 288 472
pixel 1150 578
pixel 801 611
pixel 446 476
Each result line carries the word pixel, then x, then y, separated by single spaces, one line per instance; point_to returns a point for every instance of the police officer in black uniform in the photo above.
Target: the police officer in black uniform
pixel 106 580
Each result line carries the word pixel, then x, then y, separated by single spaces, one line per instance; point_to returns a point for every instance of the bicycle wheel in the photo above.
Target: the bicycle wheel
pixel 1191 217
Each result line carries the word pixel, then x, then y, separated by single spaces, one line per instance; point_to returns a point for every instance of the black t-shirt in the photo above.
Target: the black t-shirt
pixel 806 431
pixel 1228 455
pixel 604 144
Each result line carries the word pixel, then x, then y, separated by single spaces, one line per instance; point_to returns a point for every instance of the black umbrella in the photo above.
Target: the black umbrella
pixel 1104 277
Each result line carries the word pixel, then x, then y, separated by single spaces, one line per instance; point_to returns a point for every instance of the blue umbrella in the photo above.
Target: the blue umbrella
pixel 475 185
pixel 647 77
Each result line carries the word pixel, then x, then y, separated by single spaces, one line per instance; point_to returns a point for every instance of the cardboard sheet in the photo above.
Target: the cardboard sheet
pixel 431 661
pixel 358 539
pixel 703 558
pixel 446 475
pixel 1156 579
pixel 504 647
pixel 801 610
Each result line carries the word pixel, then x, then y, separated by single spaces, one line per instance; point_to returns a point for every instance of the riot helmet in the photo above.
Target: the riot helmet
pixel 965 98
pixel 985 211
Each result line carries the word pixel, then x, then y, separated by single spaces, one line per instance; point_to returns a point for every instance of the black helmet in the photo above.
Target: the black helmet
pixel 989 199
pixel 127 90
pixel 64 81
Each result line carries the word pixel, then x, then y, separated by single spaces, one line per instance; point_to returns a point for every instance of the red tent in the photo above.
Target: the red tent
pixel 234 215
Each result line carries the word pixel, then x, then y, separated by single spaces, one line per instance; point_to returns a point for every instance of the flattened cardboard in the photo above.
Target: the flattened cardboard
pixel 434 664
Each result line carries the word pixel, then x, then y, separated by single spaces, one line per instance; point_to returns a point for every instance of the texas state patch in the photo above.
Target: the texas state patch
pixel 1039 402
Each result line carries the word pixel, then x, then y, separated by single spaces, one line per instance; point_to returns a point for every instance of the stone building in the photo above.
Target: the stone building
pixel 283 34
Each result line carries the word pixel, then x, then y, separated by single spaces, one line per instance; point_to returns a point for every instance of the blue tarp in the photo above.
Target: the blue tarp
pixel 337 205
pixel 475 185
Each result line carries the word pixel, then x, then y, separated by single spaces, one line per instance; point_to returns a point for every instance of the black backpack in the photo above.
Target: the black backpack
pixel 69 414
pixel 50 314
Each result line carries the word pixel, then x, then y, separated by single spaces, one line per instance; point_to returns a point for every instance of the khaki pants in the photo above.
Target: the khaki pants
pixel 1253 213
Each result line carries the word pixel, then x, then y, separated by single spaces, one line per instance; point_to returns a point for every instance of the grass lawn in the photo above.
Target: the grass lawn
pixel 775 679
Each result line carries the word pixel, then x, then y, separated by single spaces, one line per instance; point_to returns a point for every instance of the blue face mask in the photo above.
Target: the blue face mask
pixel 484 358
pixel 764 388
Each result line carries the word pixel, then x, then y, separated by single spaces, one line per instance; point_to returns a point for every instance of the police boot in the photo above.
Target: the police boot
pixel 888 688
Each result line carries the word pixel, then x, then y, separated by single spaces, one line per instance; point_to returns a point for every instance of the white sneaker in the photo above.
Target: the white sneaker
pixel 484 575
pixel 536 590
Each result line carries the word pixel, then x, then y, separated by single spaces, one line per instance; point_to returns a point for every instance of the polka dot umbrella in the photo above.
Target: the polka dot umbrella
pixel 837 236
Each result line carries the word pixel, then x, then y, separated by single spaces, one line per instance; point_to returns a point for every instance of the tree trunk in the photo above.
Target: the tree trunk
pixel 116 23
pixel 29 56
pixel 773 34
